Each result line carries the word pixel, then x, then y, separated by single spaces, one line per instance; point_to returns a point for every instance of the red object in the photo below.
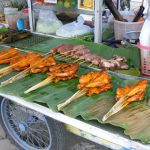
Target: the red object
pixel 145 59
pixel 143 47
pixel 25 11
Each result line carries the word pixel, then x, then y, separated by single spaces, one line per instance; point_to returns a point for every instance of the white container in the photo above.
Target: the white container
pixel 145 47
pixel 10 10
pixel 145 33
pixel 120 28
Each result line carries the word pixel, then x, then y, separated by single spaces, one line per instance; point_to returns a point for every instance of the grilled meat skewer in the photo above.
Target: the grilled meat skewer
pixel 58 73
pixel 89 84
pixel 36 66
pixel 126 95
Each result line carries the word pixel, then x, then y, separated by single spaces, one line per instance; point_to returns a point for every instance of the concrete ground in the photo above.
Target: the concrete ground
pixel 74 143
pixel 5 144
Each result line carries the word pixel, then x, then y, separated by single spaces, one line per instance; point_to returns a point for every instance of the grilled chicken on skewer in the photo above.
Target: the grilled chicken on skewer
pixel 20 62
pixel 5 55
pixel 58 73
pixel 8 60
pixel 126 95
pixel 89 84
pixel 36 66
pixel 43 65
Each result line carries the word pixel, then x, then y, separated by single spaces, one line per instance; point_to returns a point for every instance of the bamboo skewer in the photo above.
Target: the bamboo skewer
pixel 72 98
pixel 77 60
pixel 116 108
pixel 58 56
pixel 7 70
pixel 41 84
pixel 67 58
pixel 16 77
pixel 62 55
pixel 82 62
pixel 90 65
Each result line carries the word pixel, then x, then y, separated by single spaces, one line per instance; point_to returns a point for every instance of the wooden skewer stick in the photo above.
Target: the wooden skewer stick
pixel 68 58
pixel 117 107
pixel 7 70
pixel 39 85
pixel 72 98
pixel 58 56
pixel 16 77
pixel 77 60
pixel 82 62
pixel 5 73
pixel 62 55
pixel 90 65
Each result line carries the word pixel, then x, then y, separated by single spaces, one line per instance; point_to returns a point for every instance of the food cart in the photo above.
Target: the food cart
pixel 27 116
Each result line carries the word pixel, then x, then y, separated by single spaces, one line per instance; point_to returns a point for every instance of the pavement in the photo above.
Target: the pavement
pixel 5 144
pixel 74 143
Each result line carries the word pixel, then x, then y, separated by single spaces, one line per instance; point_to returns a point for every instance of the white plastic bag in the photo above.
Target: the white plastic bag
pixel 145 33
pixel 47 22
pixel 74 29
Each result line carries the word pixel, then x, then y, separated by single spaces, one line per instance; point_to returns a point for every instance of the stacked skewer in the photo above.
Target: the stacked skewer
pixel 83 54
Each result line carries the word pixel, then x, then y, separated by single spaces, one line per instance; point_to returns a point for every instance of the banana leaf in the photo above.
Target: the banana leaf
pixel 135 118
pixel 90 108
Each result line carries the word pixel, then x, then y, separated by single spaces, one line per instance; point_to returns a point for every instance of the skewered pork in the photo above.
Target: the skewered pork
pixel 62 49
pixel 83 53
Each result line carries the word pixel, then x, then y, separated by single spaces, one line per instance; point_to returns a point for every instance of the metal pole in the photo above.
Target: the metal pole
pixel 118 4
pixel 30 15
pixel 98 21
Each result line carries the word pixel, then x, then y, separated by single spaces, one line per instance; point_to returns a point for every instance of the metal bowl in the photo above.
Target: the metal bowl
pixel 132 37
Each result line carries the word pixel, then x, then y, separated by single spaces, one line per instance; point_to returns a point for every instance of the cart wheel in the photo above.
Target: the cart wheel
pixel 31 130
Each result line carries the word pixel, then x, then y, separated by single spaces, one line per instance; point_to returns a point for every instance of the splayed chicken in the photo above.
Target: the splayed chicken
pixel 40 64
pixel 89 84
pixel 58 73
pixel 20 62
pixel 6 55
pixel 126 95
pixel 43 65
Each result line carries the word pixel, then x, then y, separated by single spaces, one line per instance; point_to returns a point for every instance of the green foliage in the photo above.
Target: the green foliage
pixel 89 37
pixel 18 5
